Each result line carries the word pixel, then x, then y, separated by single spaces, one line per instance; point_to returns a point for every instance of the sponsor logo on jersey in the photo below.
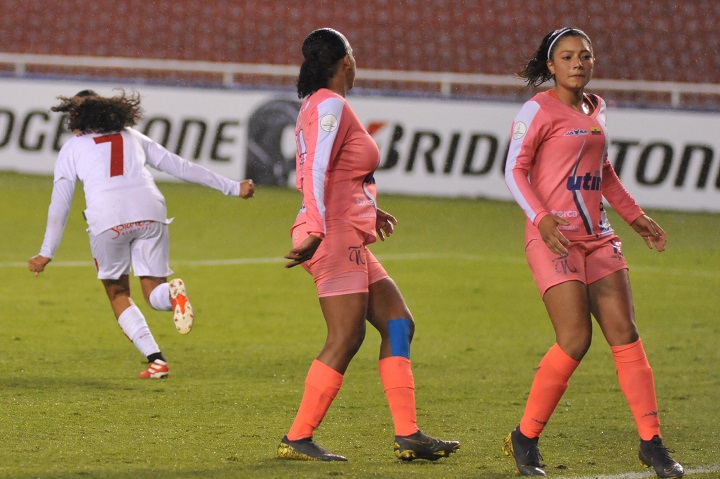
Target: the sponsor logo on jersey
pixel 577 132
pixel 587 182
pixel 565 214
pixel 329 123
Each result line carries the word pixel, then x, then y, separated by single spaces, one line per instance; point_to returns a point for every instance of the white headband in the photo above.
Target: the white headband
pixel 557 34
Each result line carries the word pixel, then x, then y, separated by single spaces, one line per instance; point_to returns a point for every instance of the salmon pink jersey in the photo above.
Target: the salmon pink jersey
pixel 335 161
pixel 557 164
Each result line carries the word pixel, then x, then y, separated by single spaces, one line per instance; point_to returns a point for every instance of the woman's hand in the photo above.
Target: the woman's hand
pixel 552 236
pixel 247 189
pixel 651 232
pixel 384 224
pixel 37 264
pixel 304 252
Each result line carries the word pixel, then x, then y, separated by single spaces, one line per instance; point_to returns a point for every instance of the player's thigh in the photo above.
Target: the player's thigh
pixel 345 315
pixel 568 306
pixel 386 303
pixel 610 293
pixel 612 305
pixel 111 254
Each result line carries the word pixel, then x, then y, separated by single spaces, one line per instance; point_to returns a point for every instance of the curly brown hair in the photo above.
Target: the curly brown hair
pixel 89 112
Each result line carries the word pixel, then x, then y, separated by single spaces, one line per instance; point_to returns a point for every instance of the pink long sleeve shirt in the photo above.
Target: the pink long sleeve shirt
pixel 557 164
pixel 335 160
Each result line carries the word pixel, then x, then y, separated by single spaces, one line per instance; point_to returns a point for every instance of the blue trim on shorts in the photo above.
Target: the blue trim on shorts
pixel 399 333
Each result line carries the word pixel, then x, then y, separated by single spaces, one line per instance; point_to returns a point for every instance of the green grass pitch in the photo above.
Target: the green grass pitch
pixel 71 406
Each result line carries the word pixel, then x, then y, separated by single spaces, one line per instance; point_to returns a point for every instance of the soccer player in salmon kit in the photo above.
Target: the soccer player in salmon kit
pixel 558 171
pixel 339 217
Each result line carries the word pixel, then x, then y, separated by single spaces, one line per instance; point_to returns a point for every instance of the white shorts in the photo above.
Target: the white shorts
pixel 145 245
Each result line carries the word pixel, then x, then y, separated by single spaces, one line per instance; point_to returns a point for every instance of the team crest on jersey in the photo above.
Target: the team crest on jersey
pixel 329 123
pixel 577 132
pixel 519 130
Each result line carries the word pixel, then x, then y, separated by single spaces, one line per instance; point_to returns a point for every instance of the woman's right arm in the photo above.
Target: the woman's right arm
pixel 319 134
pixel 528 132
pixel 58 213
pixel 526 136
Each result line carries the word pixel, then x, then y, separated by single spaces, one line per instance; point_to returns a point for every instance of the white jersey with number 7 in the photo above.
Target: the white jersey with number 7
pixel 118 186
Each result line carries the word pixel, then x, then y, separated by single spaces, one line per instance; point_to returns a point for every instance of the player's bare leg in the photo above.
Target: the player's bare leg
pixel 133 324
pixel 169 296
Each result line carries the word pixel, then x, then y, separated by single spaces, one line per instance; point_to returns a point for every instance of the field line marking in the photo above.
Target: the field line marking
pixel 390 257
pixel 641 475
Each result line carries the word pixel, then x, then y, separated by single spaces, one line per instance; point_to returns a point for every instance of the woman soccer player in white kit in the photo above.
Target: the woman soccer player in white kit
pixel 125 211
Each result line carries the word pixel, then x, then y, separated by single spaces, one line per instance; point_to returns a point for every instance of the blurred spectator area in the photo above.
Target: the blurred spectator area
pixel 646 45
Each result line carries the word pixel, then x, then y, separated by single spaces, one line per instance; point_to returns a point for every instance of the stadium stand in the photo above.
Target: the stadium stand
pixel 659 41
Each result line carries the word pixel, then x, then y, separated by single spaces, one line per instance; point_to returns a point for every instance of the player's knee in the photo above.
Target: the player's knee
pixel 400 332
pixel 576 348
pixel 116 289
pixel 346 340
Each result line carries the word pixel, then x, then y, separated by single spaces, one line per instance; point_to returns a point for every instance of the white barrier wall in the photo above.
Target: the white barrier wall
pixel 666 159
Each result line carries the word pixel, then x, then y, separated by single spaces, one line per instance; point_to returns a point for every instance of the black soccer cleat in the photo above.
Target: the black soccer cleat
pixel 420 446
pixel 305 450
pixel 525 452
pixel 653 453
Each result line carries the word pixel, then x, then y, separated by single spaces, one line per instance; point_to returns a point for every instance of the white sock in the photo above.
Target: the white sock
pixel 160 297
pixel 133 324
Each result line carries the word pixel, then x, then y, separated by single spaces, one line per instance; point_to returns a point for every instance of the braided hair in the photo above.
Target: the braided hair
pixel 536 71
pixel 321 50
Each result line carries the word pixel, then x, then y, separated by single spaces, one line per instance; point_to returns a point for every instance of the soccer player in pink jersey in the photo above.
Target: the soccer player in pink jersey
pixel 125 211
pixel 558 171
pixel 335 160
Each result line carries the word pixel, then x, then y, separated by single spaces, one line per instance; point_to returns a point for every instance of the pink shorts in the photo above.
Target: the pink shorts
pixel 586 261
pixel 342 264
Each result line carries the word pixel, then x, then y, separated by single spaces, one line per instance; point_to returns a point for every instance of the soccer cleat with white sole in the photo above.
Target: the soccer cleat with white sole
pixel 157 369
pixel 182 309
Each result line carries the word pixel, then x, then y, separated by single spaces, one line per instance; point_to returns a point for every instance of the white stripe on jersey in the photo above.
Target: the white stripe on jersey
pixel 526 116
pixel 323 148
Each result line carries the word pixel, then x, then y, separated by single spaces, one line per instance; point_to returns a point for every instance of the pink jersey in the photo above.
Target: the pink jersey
pixel 557 164
pixel 335 160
